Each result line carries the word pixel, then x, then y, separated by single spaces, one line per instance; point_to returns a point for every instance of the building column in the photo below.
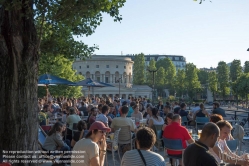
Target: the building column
pixel 110 78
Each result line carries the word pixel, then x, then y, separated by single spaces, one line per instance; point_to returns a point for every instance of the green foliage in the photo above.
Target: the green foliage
pixel 203 76
pixel 235 70
pixel 138 69
pixel 61 67
pixel 149 75
pixel 159 80
pixel 179 82
pixel 170 71
pixel 192 83
pixel 213 82
pixel 223 78
pixel 246 67
pixel 241 85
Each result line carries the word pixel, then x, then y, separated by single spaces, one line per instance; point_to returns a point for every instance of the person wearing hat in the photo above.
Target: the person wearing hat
pixel 92 148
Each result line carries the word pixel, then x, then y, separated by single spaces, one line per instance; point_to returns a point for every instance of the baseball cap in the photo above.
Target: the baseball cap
pixel 99 126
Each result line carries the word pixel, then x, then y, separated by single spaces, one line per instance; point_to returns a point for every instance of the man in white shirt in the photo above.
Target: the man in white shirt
pixel 102 117
pixel 196 108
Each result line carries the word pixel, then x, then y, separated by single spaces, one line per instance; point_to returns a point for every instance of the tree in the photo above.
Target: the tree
pixel 23 25
pixel 179 83
pixel 138 69
pixel 160 75
pixel 203 76
pixel 235 70
pixel 192 83
pixel 170 71
pixel 62 67
pixel 223 78
pixel 242 86
pixel 149 75
pixel 246 67
pixel 213 83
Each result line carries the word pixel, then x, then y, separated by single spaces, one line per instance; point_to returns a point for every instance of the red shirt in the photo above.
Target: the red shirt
pixel 176 131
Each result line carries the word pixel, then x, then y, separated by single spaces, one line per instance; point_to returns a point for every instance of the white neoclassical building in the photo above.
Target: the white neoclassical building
pixel 112 69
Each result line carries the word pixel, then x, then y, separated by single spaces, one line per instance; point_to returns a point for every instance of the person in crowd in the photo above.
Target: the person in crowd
pixel 92 117
pixel 122 120
pixel 222 150
pixel 54 140
pixel 198 153
pixel 83 109
pixel 155 119
pixel 93 146
pixel 43 116
pixel 215 118
pixel 183 112
pixel 167 120
pixel 82 126
pixel 218 110
pixel 196 108
pixel 141 108
pixel 176 108
pixel 72 118
pixel 111 114
pixel 137 114
pixel 201 112
pixel 160 106
pixel 166 110
pixel 102 117
pixel 100 108
pixel 131 110
pixel 145 140
pixel 176 131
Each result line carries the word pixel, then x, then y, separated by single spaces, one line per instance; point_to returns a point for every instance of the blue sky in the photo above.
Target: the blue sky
pixel 204 33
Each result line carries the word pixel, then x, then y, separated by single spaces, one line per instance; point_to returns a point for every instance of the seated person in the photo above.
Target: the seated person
pixel 167 120
pixel 137 114
pixel 222 151
pixel 122 120
pixel 176 131
pixel 71 119
pixel 102 117
pixel 155 119
pixel 111 114
pixel 81 132
pixel 218 110
pixel 146 139
pixel 197 154
pixel 201 113
pixel 183 112
pixel 54 140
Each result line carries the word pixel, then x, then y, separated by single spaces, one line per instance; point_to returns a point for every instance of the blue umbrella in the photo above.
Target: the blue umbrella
pixel 48 79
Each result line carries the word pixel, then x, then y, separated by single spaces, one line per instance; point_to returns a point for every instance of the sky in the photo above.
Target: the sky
pixel 203 33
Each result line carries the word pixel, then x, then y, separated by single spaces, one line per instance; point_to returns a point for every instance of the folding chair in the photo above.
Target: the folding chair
pixel 233 145
pixel 184 120
pixel 114 144
pixel 158 131
pixel 201 121
pixel 174 145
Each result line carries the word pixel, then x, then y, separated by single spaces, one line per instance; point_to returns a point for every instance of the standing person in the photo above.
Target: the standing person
pixel 93 147
pixel 197 154
pixel 145 140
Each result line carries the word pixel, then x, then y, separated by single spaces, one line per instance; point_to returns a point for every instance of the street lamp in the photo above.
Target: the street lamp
pixel 153 86
pixel 119 80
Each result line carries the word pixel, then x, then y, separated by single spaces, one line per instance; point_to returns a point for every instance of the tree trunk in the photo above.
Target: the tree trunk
pixel 18 79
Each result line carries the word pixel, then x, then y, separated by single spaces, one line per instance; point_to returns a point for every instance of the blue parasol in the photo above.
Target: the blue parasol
pixel 48 79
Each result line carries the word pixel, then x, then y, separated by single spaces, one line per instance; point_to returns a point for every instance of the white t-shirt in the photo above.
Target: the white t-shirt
pixel 102 118
pixel 88 149
pixel 158 121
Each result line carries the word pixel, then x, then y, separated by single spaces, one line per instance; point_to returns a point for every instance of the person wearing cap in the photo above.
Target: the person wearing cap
pixel 92 148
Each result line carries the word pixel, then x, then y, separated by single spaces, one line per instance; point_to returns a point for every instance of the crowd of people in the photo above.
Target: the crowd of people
pixel 103 115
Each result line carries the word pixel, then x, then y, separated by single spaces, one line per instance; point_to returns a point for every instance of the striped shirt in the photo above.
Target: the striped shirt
pixel 132 158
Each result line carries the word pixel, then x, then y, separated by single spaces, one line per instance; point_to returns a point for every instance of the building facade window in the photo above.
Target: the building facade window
pixel 87 66
pixel 124 67
pixel 98 78
pixel 107 66
pixel 116 66
pixel 80 67
pixel 97 66
pixel 106 79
